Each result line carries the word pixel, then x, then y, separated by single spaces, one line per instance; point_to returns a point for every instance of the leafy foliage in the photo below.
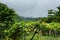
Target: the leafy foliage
pixel 6 18
pixel 54 15
pixel 11 29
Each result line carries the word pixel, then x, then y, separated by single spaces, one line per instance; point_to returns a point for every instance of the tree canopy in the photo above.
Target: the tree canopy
pixel 54 15
pixel 7 16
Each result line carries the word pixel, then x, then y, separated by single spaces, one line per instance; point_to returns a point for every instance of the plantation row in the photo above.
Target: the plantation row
pixel 23 29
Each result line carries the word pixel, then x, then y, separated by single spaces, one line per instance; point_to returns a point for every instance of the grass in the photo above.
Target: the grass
pixel 39 37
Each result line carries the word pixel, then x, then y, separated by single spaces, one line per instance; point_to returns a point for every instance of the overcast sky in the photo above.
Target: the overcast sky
pixel 32 8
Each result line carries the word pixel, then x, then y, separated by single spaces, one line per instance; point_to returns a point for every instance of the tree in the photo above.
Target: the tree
pixel 54 15
pixel 7 16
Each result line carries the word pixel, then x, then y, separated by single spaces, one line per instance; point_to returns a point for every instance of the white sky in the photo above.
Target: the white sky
pixel 32 8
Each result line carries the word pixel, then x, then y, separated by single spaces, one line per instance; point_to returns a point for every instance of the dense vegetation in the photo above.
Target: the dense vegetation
pixel 12 27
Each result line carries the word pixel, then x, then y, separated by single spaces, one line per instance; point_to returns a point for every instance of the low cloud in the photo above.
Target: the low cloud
pixel 32 8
